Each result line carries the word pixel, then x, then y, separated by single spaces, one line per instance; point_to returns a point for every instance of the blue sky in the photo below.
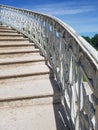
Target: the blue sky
pixel 81 15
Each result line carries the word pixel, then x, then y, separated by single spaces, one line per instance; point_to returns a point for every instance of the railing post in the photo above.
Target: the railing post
pixel 73 60
pixel 96 116
pixel 95 100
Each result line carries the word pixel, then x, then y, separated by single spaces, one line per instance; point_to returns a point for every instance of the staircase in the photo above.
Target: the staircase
pixel 30 97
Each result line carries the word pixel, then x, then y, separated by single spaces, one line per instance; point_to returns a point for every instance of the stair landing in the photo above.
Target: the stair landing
pixel 37 117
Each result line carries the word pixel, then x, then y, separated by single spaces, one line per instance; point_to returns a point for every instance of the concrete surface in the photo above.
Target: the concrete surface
pixel 30 98
pixel 38 117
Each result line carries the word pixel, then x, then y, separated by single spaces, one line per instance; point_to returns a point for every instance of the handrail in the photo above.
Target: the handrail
pixel 74 62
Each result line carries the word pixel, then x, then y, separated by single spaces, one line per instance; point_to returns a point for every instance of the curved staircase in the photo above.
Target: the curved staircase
pixel 30 98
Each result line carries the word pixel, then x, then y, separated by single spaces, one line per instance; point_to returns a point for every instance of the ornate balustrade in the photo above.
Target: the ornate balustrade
pixel 74 62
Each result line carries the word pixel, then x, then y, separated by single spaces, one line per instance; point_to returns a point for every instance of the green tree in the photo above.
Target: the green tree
pixel 87 39
pixel 94 41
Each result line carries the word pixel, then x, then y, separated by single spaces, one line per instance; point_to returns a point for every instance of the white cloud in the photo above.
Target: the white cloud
pixel 63 9
pixel 78 14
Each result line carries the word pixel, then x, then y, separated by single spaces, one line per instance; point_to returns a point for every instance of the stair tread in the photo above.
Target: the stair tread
pixel 39 117
pixel 28 88
pixel 30 97
pixel 8 48
pixel 10 55
pixel 7 31
pixel 11 37
pixel 10 34
pixel 14 39
pixel 18 50
pixel 23 70
pixel 21 59
pixel 6 28
pixel 16 43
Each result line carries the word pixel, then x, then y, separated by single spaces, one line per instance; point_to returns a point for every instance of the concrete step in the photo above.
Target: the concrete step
pixel 15 43
pixel 14 51
pixel 22 64
pixel 30 89
pixel 6 36
pixel 6 28
pixel 8 31
pixel 30 97
pixel 15 48
pixel 38 117
pixel 10 35
pixel 19 54
pixel 3 25
pixel 21 59
pixel 23 70
pixel 25 78
pixel 14 39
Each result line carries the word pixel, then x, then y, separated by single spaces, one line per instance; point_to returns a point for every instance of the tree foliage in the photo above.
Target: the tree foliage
pixel 93 41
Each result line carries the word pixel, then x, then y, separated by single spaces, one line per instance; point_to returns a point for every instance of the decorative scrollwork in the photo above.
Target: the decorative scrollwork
pixel 70 56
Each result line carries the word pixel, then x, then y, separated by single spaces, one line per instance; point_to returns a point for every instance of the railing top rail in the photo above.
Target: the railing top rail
pixel 84 44
pixel 74 61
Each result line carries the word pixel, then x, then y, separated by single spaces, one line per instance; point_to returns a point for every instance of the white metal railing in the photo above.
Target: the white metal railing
pixel 74 62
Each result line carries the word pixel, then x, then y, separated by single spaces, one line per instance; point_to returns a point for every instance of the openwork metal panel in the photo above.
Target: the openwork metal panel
pixel 74 62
